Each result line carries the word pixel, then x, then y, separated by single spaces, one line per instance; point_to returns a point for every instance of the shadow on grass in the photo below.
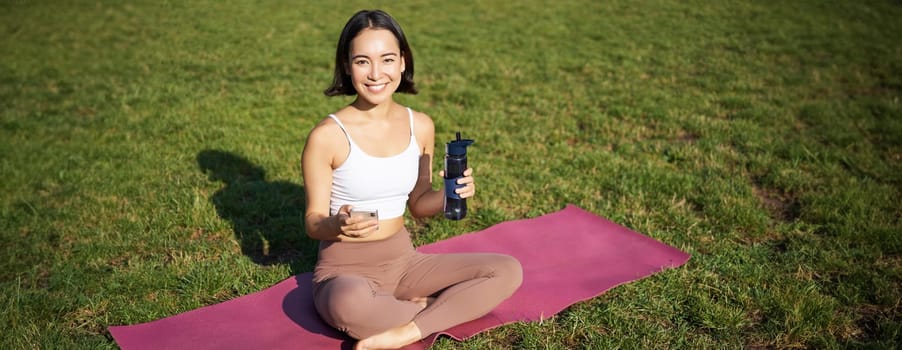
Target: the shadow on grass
pixel 267 216
pixel 298 306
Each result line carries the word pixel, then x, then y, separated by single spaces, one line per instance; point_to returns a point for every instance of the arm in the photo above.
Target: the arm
pixel 317 165
pixel 423 200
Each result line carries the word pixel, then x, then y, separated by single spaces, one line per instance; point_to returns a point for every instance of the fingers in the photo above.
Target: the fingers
pixel 356 227
pixel 469 188
pixel 344 212
pixel 360 229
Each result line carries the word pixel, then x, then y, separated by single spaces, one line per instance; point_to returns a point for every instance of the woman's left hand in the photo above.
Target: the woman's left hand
pixel 469 188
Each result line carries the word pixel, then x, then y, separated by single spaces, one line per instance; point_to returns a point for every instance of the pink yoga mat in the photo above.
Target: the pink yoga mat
pixel 567 256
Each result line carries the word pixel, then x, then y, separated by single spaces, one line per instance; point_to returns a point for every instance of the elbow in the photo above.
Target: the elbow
pixel 416 214
pixel 420 212
pixel 415 211
pixel 423 206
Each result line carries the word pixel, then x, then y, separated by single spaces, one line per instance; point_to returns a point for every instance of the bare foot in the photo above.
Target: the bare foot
pixel 391 339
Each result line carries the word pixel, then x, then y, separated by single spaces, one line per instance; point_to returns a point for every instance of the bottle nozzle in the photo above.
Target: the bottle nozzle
pixel 459 146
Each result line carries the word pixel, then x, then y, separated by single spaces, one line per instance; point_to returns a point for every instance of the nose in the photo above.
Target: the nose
pixel 373 74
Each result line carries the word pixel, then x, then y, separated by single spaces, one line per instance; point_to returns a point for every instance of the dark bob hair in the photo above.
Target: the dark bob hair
pixel 377 19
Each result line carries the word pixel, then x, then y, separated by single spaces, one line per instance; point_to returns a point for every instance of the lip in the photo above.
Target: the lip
pixel 375 88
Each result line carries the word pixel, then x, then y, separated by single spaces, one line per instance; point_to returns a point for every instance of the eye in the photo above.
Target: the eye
pixel 389 60
pixel 360 62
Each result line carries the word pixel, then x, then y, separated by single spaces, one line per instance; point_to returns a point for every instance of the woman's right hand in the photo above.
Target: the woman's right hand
pixel 355 227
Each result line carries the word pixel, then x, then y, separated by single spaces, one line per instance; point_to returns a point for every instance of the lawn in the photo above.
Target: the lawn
pixel 149 154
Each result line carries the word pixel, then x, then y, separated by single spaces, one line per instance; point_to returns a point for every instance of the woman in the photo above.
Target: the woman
pixel 376 155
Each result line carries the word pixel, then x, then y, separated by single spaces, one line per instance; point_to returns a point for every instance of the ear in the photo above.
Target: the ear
pixel 403 63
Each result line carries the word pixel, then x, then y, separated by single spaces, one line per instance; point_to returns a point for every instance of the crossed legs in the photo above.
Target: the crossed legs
pixel 465 286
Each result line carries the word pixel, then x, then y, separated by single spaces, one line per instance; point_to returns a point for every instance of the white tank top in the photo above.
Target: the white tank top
pixel 375 183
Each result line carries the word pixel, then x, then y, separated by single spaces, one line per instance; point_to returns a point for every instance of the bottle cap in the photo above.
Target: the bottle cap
pixel 458 147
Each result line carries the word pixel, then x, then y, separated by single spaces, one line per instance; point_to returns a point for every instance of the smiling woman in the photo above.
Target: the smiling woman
pixel 341 83
pixel 376 155
pixel 376 66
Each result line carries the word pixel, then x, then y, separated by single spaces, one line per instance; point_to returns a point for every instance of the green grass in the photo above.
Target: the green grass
pixel 149 154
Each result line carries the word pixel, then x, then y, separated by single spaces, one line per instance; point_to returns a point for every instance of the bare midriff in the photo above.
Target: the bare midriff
pixel 386 229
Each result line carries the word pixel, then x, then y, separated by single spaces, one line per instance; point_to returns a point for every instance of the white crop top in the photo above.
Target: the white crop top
pixel 375 183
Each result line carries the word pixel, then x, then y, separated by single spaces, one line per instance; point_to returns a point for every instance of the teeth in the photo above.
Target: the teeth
pixel 376 88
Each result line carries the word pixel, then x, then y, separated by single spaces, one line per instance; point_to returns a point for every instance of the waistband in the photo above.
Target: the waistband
pixel 333 253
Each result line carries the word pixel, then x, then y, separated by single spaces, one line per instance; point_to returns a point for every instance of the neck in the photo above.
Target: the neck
pixel 381 110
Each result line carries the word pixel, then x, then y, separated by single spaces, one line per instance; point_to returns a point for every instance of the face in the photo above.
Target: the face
pixel 375 65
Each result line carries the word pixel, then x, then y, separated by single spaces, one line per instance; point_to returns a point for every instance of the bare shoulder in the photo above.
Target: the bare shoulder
pixel 325 128
pixel 326 133
pixel 423 124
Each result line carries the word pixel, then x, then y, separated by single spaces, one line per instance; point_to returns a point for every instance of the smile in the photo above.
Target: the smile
pixel 377 87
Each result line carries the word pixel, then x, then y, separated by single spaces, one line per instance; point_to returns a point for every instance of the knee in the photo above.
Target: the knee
pixel 344 298
pixel 344 308
pixel 510 269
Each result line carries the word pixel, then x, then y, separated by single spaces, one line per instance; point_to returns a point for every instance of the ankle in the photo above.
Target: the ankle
pixel 393 338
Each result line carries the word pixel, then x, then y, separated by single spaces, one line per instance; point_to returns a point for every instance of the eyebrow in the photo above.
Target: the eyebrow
pixel 383 55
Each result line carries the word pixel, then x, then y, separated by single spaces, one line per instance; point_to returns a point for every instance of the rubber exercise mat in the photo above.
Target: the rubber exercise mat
pixel 567 256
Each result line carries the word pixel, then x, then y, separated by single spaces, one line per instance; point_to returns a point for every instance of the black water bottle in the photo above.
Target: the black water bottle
pixel 455 164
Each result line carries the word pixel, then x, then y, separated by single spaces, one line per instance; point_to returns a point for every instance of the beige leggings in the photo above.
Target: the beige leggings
pixel 364 288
